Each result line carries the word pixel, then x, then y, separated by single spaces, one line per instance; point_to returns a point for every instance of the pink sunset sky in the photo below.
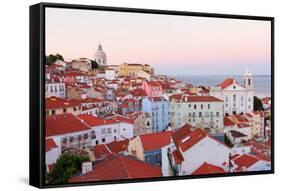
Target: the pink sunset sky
pixel 177 45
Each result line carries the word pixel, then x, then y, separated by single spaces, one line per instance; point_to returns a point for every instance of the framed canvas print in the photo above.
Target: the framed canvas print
pixel 121 95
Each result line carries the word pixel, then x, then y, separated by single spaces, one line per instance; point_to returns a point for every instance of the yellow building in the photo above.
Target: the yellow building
pixel 133 69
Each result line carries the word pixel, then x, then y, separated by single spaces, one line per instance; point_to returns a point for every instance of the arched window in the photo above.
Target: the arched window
pixel 249 81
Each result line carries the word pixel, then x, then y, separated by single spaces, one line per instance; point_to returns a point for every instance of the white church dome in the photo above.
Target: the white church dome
pixel 100 56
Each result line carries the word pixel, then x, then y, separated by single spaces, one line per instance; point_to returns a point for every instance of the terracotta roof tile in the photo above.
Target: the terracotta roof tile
pixel 207 168
pixel 64 123
pixel 119 167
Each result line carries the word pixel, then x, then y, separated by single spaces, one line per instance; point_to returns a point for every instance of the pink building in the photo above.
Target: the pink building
pixel 152 88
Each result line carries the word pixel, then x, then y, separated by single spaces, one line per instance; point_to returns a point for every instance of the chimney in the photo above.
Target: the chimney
pixel 87 167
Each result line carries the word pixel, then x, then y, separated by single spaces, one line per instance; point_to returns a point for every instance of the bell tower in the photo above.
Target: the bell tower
pixel 248 80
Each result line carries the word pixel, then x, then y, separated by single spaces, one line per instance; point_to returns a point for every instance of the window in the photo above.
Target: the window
pixel 103 140
pixel 64 140
pixel 217 114
pixel 249 81
pixel 85 136
pixel 97 142
pixel 209 106
pixel 201 106
pixel 200 114
pixel 194 106
pixel 234 97
pixel 234 87
pixel 102 131
pixel 249 99
pixel 64 110
pixel 189 105
pixel 109 130
pixel 53 112
pixel 71 139
pixel 93 135
pixel 74 109
pixel 158 158
pixel 79 137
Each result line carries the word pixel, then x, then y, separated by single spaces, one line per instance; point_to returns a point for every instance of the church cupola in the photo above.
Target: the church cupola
pixel 100 56
pixel 248 79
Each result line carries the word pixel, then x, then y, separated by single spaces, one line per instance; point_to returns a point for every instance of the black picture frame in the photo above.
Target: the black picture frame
pixel 37 91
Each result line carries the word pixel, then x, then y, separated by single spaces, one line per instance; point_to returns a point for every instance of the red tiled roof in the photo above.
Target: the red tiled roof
pixel 101 151
pixel 207 168
pixel 155 141
pixel 191 139
pixel 202 99
pixel 119 167
pixel 118 146
pixel 63 123
pixel 55 102
pixel 181 133
pixel 241 118
pixel 178 158
pixel 246 160
pixel 123 119
pixel 153 84
pixel 95 121
pixel 176 97
pixel 228 122
pixel 227 82
pixel 138 92
pixel 50 144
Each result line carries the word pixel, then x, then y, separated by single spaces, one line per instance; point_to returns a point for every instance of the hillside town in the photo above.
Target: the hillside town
pixel 131 123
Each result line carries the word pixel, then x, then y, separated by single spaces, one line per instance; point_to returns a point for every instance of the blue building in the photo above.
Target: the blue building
pixel 158 108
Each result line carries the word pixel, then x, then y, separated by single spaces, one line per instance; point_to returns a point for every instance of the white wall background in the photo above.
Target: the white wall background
pixel 14 38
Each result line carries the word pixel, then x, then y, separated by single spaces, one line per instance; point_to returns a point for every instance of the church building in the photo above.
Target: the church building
pixel 100 56
pixel 238 98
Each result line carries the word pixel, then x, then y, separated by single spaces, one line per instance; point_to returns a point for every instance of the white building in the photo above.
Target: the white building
pixel 237 98
pixel 105 131
pixel 74 132
pixel 110 74
pixel 190 148
pixel 82 64
pixel 55 89
pixel 100 56
pixel 200 111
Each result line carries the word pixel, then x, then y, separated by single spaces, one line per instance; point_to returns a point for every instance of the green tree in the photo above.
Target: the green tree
pixel 94 64
pixel 52 58
pixel 65 167
pixel 257 104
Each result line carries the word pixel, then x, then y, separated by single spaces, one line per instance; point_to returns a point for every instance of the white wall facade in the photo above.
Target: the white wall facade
pixel 206 150
pixel 55 89
pixel 237 99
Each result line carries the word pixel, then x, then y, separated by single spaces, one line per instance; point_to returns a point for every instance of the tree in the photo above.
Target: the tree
pixel 65 167
pixel 94 64
pixel 52 58
pixel 258 106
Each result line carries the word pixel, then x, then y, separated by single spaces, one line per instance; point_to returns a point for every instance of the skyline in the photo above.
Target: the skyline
pixel 190 45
